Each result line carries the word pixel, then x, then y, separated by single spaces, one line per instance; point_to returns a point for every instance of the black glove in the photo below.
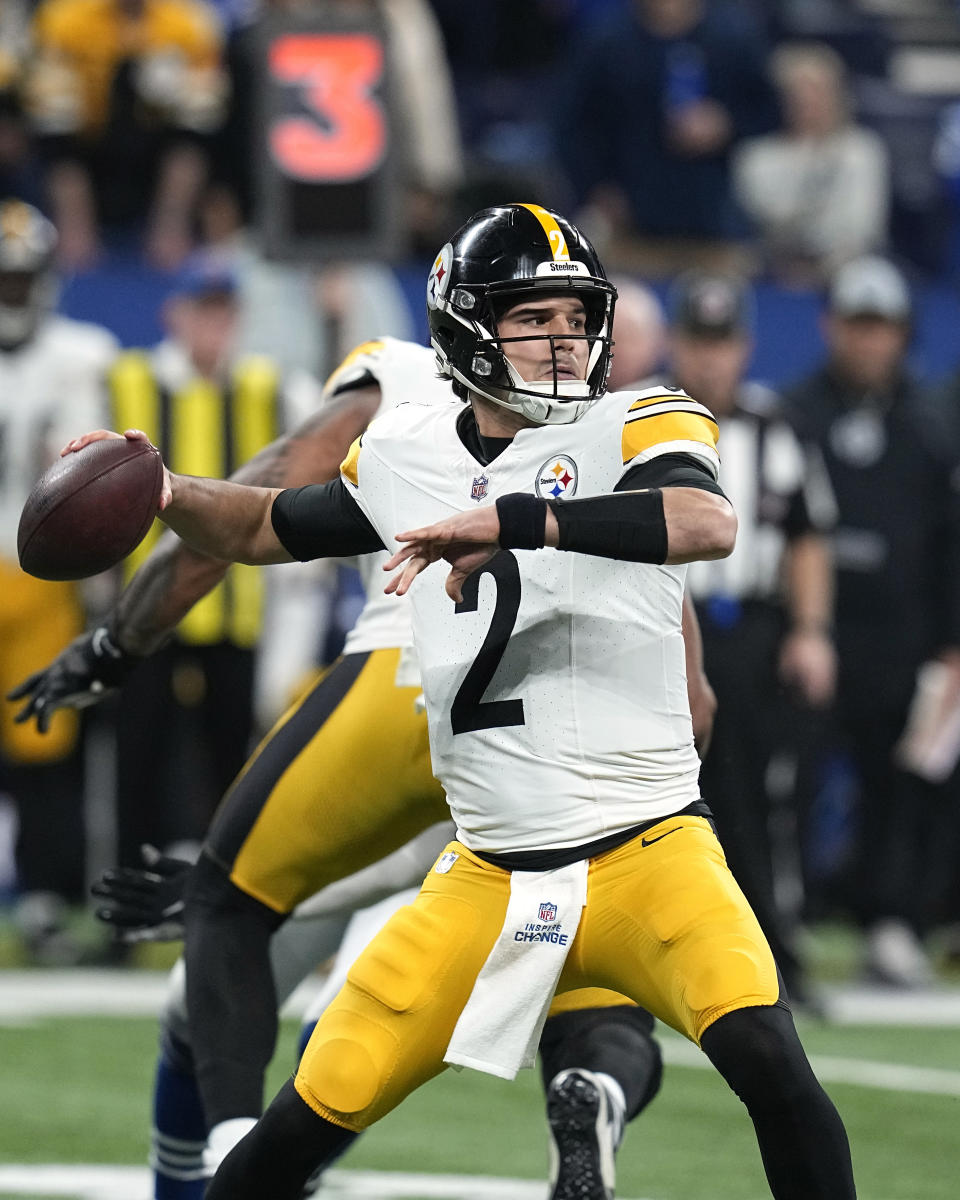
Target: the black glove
pixel 144 905
pixel 91 666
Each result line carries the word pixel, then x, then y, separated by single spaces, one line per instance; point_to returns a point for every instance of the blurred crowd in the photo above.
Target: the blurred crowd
pixel 711 148
pixel 787 136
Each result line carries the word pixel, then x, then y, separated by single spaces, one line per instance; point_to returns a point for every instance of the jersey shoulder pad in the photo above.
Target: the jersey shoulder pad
pixel 360 366
pixel 664 420
pixel 404 371
pixel 399 437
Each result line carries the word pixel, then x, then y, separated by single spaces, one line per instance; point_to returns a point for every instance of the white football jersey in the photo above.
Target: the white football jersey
pixel 556 691
pixel 51 390
pixel 405 372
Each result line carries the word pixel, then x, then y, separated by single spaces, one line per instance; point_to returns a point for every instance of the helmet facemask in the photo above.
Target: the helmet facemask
pixel 492 374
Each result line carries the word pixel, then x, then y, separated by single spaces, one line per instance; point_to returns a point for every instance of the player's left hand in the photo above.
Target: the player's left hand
pixel 466 541
pixel 144 905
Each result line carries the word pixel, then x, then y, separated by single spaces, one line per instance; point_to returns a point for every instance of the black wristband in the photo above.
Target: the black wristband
pixel 523 521
pixel 625 525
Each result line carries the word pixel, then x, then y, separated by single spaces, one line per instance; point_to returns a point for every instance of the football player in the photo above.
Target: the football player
pixel 348 770
pixel 52 374
pixel 558 721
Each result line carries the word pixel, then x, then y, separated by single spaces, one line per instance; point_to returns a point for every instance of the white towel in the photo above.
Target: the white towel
pixel 499 1028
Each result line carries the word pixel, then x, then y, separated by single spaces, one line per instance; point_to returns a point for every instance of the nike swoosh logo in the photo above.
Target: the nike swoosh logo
pixel 660 836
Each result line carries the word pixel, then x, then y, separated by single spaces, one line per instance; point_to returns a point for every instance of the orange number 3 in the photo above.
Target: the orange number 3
pixel 337 74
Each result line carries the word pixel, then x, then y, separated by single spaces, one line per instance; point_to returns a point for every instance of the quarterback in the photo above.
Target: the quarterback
pixel 552 667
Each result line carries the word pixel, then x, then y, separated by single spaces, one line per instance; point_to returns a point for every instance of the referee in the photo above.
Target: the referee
pixel 766 611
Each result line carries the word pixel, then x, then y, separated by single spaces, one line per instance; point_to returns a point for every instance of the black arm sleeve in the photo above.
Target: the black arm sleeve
pixel 670 470
pixel 322 520
pixel 629 525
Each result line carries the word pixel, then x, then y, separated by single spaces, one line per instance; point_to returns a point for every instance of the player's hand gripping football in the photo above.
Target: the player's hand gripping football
pixel 144 905
pixel 132 435
pixel 466 541
pixel 91 667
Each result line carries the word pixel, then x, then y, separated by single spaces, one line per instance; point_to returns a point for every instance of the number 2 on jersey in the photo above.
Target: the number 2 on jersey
pixel 469 711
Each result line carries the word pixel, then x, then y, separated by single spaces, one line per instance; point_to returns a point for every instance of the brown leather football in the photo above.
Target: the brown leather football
pixel 90 509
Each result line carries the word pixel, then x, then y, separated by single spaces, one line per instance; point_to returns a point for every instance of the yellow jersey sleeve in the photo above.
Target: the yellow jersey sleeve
pixel 348 468
pixel 663 422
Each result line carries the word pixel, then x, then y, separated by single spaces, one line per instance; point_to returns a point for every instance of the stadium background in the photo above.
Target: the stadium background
pixel 75 1086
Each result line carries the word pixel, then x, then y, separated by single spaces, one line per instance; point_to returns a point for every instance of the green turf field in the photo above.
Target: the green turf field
pixel 76 1090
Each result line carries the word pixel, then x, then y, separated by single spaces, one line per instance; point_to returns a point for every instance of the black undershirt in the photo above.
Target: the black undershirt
pixel 550 859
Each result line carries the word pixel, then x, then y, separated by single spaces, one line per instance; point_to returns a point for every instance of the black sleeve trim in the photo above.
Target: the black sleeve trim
pixel 670 470
pixel 353 383
pixel 322 520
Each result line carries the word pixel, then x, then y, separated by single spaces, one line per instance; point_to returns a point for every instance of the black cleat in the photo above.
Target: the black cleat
pixel 583 1137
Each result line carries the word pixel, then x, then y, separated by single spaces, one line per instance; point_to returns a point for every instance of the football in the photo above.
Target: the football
pixel 90 509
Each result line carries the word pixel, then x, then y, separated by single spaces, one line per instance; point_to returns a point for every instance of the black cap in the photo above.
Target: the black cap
pixel 709 305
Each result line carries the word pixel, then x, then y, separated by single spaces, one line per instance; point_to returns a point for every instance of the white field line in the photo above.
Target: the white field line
pixel 28 995
pixel 889 1077
pixel 133 1183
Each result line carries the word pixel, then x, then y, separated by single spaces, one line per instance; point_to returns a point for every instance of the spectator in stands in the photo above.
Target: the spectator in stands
pixel 20 169
pixel 123 95
pixel 766 611
pixel 19 166
pixel 818 192
pixel 652 104
pixel 639 335
pixel 898 591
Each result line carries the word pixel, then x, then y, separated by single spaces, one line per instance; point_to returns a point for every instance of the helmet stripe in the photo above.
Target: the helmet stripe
pixel 555 238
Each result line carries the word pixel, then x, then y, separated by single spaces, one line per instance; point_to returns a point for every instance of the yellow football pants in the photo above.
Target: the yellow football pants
pixel 664 924
pixel 37 620
pixel 342 780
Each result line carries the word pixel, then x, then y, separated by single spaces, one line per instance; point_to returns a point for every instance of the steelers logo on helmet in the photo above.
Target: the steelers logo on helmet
pixel 439 279
pixel 500 258
pixel 557 478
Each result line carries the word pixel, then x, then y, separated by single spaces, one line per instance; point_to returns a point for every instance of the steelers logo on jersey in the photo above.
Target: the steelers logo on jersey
pixel 557 478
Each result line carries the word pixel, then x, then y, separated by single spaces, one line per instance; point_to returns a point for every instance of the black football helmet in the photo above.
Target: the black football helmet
pixel 499 254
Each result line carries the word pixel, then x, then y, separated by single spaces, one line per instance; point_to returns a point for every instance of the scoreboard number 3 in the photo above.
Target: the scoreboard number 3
pixel 343 134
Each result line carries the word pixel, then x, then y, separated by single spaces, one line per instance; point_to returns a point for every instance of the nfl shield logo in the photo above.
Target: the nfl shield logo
pixel 548 911
pixel 479 490
pixel 445 862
